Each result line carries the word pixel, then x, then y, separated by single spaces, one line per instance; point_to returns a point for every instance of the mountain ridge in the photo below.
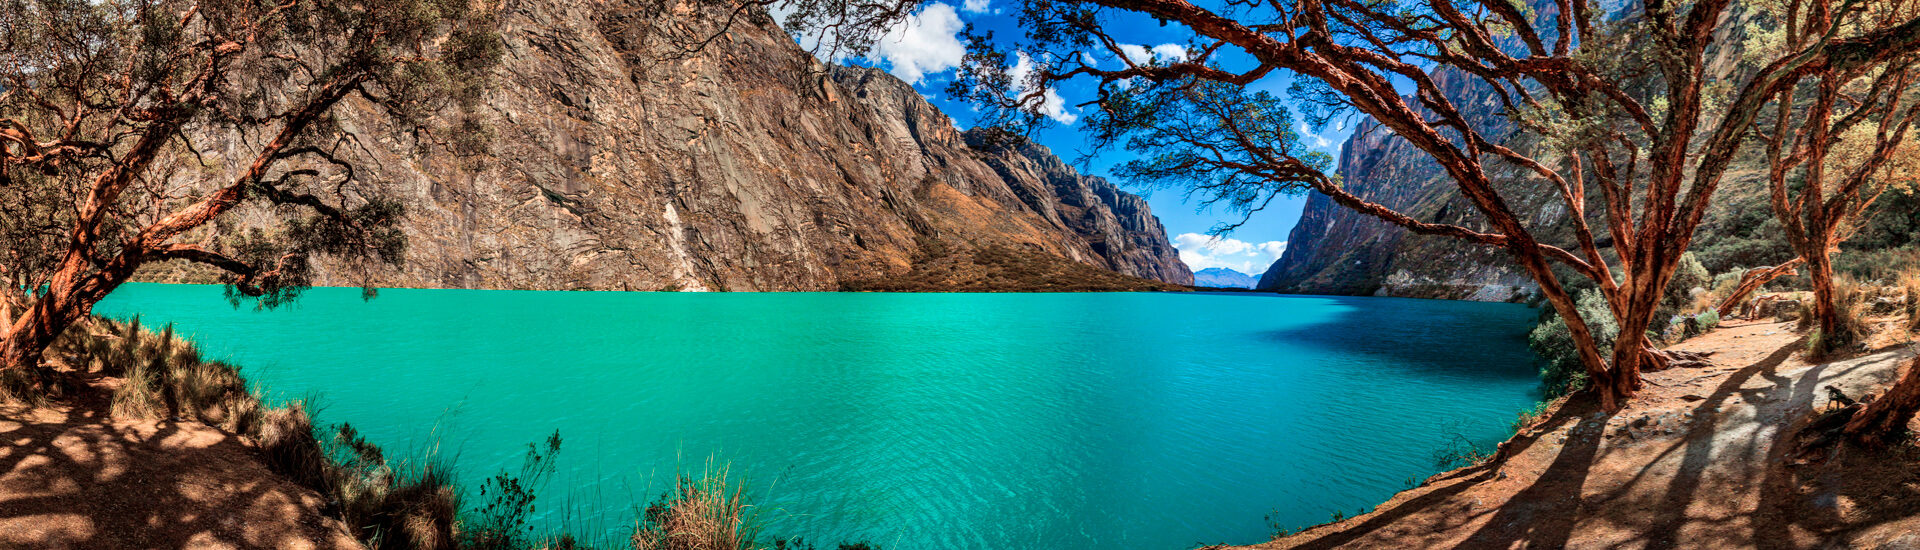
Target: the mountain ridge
pixel 621 160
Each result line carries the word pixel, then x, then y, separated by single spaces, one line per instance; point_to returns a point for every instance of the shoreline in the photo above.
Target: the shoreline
pixel 1699 460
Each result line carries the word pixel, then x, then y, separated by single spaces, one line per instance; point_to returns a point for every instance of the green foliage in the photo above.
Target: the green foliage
pixel 501 523
pixel 1530 416
pixel 1561 371
pixel 1688 326
pixel 1460 452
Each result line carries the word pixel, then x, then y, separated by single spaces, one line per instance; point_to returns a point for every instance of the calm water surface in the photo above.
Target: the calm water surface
pixel 966 421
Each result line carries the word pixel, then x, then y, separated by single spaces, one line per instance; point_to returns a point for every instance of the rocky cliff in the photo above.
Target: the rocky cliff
pixel 620 160
pixel 1334 250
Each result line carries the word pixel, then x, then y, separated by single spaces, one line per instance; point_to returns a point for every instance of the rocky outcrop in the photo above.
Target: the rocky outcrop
pixel 618 160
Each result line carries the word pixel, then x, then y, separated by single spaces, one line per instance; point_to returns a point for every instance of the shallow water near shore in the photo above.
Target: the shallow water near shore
pixel 965 421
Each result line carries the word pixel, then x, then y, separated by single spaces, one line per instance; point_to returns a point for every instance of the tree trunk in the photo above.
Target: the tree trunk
pixel 1885 420
pixel 1752 282
pixel 1820 270
pixel 70 295
pixel 30 335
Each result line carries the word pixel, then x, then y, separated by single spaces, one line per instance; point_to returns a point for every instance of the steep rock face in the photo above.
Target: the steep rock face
pixel 1117 226
pixel 620 161
pixel 1334 250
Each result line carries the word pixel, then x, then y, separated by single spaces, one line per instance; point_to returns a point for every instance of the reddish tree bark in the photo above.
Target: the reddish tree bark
pixel 1803 147
pixel 1885 420
pixel 1753 280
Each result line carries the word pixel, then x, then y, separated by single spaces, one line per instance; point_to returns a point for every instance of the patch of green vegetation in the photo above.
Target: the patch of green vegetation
pixel 1561 371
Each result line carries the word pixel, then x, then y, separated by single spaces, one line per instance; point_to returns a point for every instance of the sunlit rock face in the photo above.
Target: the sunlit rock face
pixel 618 160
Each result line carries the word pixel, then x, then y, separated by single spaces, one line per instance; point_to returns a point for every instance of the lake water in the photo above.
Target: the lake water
pixel 964 421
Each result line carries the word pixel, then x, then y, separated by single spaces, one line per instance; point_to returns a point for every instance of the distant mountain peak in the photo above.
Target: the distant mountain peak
pixel 1220 277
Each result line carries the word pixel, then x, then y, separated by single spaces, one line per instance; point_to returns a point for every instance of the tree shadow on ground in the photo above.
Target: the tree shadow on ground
pixel 1570 467
pixel 71 477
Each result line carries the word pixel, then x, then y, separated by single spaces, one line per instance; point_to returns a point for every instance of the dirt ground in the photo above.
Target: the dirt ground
pixel 71 477
pixel 1698 460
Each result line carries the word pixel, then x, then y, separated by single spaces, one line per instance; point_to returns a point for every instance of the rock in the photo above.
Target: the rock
pixel 1784 310
pixel 748 165
pixel 1886 305
pixel 1909 541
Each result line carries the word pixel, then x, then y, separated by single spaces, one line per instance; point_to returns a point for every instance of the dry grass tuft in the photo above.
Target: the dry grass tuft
pixel 1853 304
pixel 1909 282
pixel 699 513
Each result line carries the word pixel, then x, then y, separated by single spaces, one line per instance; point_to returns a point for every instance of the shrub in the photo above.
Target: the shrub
pixel 1527 418
pixel 1688 326
pixel 1460 452
pixel 699 513
pixel 502 522
pixel 1724 283
pixel 1688 275
pixel 1561 371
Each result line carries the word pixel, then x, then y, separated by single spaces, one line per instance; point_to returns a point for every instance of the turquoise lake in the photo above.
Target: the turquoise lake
pixel 963 421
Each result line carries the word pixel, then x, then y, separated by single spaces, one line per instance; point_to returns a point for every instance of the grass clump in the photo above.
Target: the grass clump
pixel 1852 302
pixel 1909 283
pixel 704 512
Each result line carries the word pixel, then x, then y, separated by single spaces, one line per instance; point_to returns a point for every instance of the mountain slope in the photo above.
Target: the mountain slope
pixel 620 161
pixel 1220 277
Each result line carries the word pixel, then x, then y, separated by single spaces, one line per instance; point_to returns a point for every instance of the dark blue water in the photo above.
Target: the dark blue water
pixel 1002 421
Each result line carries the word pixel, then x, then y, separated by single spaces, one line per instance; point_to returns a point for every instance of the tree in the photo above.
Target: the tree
pixel 130 130
pixel 1833 134
pixel 1624 103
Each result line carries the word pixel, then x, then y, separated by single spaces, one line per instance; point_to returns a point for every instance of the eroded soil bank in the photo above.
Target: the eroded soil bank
pixel 1704 458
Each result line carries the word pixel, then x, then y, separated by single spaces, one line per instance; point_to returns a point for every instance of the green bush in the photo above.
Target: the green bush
pixel 1561 371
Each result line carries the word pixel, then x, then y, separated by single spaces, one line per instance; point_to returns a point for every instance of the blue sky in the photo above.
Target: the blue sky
pixel 925 50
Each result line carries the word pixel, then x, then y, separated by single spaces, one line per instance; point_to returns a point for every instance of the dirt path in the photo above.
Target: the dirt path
pixel 70 477
pixel 1696 461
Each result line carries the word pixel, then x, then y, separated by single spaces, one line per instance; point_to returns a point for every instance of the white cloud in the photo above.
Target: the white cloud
pixel 974 6
pixel 1202 252
pixel 1312 138
pixel 1170 52
pixel 927 42
pixel 1164 53
pixel 1050 102
pixel 1089 60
